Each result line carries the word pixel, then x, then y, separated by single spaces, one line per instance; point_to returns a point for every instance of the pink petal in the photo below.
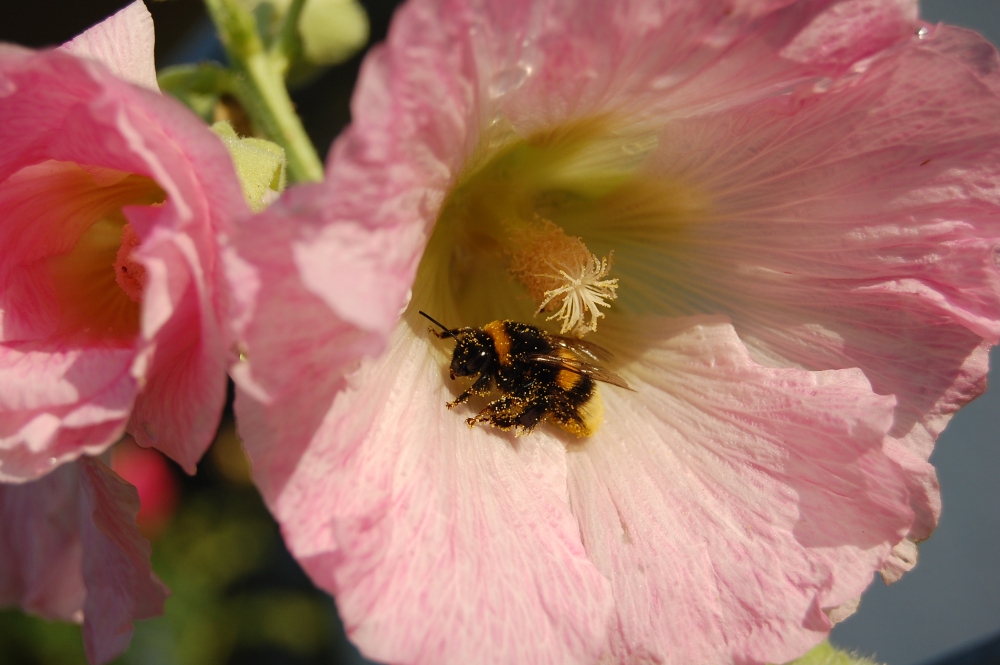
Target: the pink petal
pixel 443 544
pixel 852 30
pixel 758 103
pixel 301 335
pixel 730 504
pixel 178 409
pixel 56 406
pixel 374 514
pixel 65 117
pixel 858 228
pixel 925 502
pixel 832 219
pixel 538 65
pixel 41 545
pixel 121 588
pixel 450 68
pixel 123 43
pixel 72 551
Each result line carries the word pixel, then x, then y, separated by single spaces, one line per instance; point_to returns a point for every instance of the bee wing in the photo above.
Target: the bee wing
pixel 581 347
pixel 581 367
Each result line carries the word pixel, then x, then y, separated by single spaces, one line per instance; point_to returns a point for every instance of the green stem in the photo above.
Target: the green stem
pixel 262 92
pixel 260 87
pixel 286 46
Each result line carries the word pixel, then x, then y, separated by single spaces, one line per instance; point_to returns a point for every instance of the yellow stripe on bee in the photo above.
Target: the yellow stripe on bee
pixel 501 340
pixel 567 380
pixel 592 413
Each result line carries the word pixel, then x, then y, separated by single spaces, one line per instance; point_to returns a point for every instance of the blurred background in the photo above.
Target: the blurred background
pixel 240 599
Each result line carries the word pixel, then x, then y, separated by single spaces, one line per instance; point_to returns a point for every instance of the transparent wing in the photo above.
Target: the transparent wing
pixel 581 367
pixel 581 347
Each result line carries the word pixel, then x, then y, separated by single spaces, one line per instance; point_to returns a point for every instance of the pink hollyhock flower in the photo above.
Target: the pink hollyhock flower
pixel 112 203
pixel 803 204
pixel 71 550
pixel 112 200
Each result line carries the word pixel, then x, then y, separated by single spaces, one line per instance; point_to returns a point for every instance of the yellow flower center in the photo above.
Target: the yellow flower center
pixel 532 222
pixel 85 227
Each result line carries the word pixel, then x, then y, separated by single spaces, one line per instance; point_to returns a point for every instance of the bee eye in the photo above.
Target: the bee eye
pixel 476 363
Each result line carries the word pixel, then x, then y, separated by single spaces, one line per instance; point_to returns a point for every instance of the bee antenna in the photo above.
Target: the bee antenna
pixel 447 331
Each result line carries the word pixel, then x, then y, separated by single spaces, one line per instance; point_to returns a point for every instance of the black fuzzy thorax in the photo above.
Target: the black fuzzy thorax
pixel 525 342
pixel 539 383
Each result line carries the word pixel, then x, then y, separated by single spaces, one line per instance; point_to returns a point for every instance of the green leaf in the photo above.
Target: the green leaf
pixel 260 165
pixel 826 654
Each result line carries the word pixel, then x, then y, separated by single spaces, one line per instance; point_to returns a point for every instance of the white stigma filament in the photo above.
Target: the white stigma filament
pixel 581 296
pixel 562 275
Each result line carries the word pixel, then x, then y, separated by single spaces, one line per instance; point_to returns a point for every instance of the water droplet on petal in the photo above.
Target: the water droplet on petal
pixel 507 80
pixel 923 32
pixel 52 461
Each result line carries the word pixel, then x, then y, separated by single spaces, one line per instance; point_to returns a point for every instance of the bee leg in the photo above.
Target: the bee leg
pixel 480 387
pixel 531 416
pixel 493 413
pixel 509 412
pixel 461 399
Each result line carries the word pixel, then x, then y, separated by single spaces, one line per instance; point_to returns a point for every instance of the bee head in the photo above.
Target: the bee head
pixel 474 353
pixel 474 350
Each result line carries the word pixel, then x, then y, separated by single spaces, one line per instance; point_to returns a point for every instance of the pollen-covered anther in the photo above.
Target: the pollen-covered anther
pixel 562 275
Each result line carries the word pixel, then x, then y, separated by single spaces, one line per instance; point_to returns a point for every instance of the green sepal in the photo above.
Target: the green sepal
pixel 260 165
pixel 826 654
pixel 197 86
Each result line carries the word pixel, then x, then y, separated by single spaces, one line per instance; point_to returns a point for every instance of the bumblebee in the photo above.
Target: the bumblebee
pixel 538 376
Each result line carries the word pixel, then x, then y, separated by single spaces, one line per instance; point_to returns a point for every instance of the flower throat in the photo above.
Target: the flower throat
pixel 517 233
